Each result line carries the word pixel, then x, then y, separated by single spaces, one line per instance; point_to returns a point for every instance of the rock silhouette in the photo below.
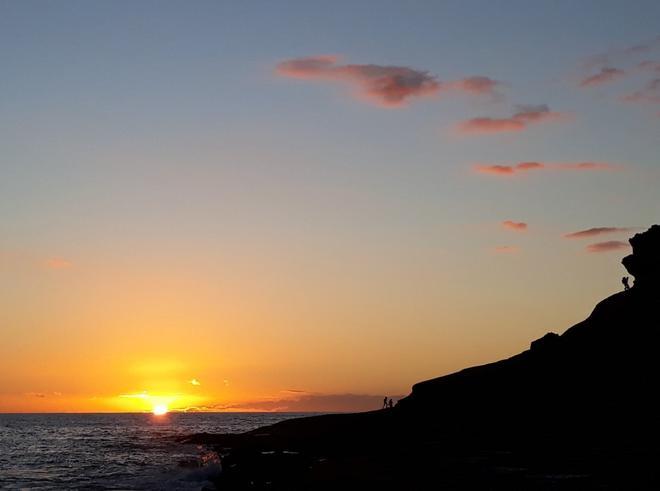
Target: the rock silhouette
pixel 575 411
pixel 603 364
pixel 644 262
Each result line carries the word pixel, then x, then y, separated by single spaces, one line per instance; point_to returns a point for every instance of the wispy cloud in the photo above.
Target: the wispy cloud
pixel 611 245
pixel 605 75
pixel 485 125
pixel 478 85
pixel 506 249
pixel 648 95
pixel 595 231
pixel 195 382
pixel 643 47
pixel 507 170
pixel 584 166
pixel 525 167
pixel 621 54
pixel 649 66
pixel 57 263
pixel 524 116
pixel 43 395
pixel 138 395
pixel 383 85
pixel 515 226
pixel 625 56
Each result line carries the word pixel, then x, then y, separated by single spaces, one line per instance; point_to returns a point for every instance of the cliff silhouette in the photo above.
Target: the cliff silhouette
pixel 608 362
pixel 574 411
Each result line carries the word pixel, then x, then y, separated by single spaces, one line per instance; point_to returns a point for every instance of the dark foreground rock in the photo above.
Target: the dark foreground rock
pixel 575 411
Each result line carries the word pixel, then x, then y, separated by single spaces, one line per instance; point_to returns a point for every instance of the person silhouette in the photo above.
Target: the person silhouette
pixel 626 285
pixel 390 404
pixel 385 403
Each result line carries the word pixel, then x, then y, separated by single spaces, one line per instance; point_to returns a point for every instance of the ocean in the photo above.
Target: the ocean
pixel 114 451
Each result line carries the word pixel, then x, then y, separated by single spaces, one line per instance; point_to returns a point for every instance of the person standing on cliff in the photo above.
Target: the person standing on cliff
pixel 385 403
pixel 626 285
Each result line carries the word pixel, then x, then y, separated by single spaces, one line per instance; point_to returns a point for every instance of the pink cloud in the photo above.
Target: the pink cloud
pixel 388 86
pixel 308 68
pixel 523 167
pixel 606 74
pixel 529 166
pixel 506 250
pixel 475 85
pixel 494 169
pixel 595 231
pixel 385 86
pixel 524 116
pixel 611 245
pixel 57 263
pixel 585 166
pixel 508 169
pixel 515 226
pixel 490 125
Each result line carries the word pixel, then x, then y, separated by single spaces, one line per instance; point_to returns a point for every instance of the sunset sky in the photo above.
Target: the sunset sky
pixel 297 205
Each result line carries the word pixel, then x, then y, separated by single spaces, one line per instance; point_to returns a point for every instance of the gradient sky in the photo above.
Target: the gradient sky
pixel 247 194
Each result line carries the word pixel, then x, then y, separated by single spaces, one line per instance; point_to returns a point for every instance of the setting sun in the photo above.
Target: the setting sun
pixel 159 409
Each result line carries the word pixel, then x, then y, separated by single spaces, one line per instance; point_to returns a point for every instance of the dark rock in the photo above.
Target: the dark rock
pixel 546 343
pixel 644 262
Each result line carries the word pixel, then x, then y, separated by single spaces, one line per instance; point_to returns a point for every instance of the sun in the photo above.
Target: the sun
pixel 159 409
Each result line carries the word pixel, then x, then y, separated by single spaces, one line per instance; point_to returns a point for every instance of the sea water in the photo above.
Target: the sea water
pixel 115 451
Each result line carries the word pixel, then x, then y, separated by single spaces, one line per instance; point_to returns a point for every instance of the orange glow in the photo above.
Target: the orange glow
pixel 113 335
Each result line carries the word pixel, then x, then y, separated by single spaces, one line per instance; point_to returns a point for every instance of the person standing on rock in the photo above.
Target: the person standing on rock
pixel 625 280
pixel 385 403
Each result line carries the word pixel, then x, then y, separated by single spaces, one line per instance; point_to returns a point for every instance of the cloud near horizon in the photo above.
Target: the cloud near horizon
pixel 43 395
pixel 595 231
pixel 515 226
pixel 611 245
pixel 524 116
pixel 383 85
pixel 523 167
pixel 138 395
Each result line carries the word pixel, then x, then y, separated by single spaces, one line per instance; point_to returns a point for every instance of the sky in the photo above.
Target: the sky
pixel 309 205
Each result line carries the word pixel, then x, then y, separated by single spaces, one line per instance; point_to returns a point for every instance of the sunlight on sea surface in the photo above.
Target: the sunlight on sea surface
pixel 114 451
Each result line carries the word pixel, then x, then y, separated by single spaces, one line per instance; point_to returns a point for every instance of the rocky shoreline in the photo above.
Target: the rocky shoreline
pixel 575 411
